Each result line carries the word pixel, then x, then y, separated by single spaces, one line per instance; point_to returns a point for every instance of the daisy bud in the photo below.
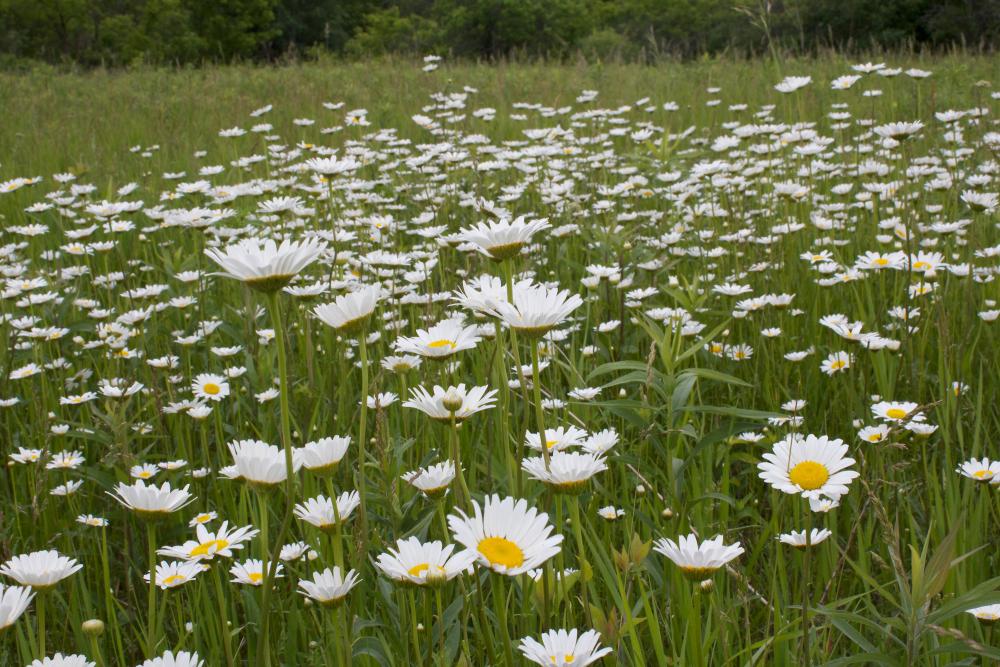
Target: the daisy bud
pixel 640 489
pixel 93 627
pixel 452 400
pixel 420 627
pixel 667 513
pixel 622 393
pixel 707 586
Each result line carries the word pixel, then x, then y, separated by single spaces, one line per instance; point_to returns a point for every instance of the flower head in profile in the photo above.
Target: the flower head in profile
pixel 261 464
pixel 326 514
pixel 986 614
pixel 798 540
pixel 811 466
pixel 329 587
pixel 569 648
pixel 565 472
pixel 507 536
pixel 502 239
pixel 170 659
pixel 536 309
pixel 40 569
pixel 322 456
pixel 207 545
pixel 983 470
pixel 433 480
pixel 14 600
pixel 60 660
pixel 151 502
pixel 698 561
pixel 263 264
pixel 171 574
pixel 350 313
pixel 251 572
pixel 419 563
pixel 442 340
pixel 457 402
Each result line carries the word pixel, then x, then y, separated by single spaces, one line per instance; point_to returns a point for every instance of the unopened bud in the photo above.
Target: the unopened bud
pixel 93 627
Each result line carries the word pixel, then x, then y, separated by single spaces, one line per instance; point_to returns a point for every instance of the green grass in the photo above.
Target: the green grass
pixel 913 545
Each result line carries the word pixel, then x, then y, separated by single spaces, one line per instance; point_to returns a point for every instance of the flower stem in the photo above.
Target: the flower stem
pixel 263 651
pixel 151 612
pixel 537 390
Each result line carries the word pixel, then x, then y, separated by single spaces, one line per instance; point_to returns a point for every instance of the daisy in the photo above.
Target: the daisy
pixel 979 470
pixel 812 466
pixel 874 433
pixel 170 574
pixel 454 402
pixel 328 587
pixel 210 387
pixel 442 340
pixel 897 411
pixel 836 363
pixel 322 456
pixel 323 514
pixel 251 572
pixel 535 309
pixel 169 659
pixel 208 545
pixel 698 561
pixel 557 439
pixel 433 480
pixel 259 463
pixel 987 614
pixel 502 239
pixel 506 535
pixel 40 569
pixel 151 501
pixel 60 660
pixel 565 472
pixel 14 600
pixel 349 313
pixel 797 539
pixel 264 265
pixel 562 647
pixel 415 562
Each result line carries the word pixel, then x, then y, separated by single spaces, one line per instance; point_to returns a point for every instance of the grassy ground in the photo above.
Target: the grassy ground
pixel 888 587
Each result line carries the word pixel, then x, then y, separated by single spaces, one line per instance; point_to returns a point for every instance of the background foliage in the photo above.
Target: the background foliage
pixel 127 32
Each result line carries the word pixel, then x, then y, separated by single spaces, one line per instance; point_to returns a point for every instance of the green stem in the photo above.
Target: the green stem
pixel 223 613
pixel 362 435
pixel 537 390
pixel 500 600
pixel 151 612
pixel 807 661
pixel 40 606
pixel 263 650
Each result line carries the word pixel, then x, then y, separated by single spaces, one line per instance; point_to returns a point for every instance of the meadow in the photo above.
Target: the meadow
pixel 425 363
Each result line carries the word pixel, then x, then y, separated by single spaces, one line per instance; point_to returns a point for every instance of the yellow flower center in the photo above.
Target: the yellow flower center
pixel 881 261
pixel 417 570
pixel 875 437
pixel 208 548
pixel 203 518
pixel 444 342
pixel 256 577
pixel 211 388
pixel 895 413
pixel 809 475
pixel 501 551
pixel 174 579
pixel 983 474
pixel 145 474
pixel 838 364
pixel 921 265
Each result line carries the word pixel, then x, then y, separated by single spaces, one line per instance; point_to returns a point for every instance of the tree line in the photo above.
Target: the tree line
pixel 127 32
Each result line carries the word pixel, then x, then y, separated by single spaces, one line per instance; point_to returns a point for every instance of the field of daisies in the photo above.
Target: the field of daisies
pixel 415 363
